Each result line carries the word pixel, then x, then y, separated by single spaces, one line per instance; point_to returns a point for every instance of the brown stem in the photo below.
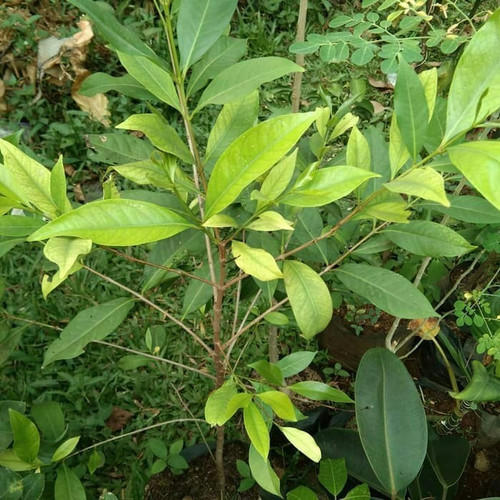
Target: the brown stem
pixel 299 58
pixel 219 461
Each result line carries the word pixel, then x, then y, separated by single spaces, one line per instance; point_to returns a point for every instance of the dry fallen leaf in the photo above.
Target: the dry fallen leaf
pixel 426 328
pixel 377 107
pixel 118 419
pixel 379 84
pixel 3 104
pixel 96 105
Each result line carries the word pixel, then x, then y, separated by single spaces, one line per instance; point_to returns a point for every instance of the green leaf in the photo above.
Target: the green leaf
pixel 243 77
pixel 269 371
pixel 64 449
pixel 238 401
pixel 255 261
pixel 391 419
pixel 429 80
pixel 270 221
pixel 309 297
pixel 358 150
pixel 65 252
pixel 301 493
pixel 296 362
pixel 277 318
pixel 9 459
pixel 145 172
pixel 177 462
pixel 280 403
pixel 160 133
pixel 263 473
pixel 27 179
pixel 225 52
pixel 448 456
pixel 96 460
pixel 49 418
pixel 333 475
pixel 423 182
pixel 234 119
pixel 468 209
pixel 256 429
pixel 6 435
pixel 33 486
pixel 410 107
pixel 19 225
pixel 319 391
pixel 251 155
pixel 428 239
pixel 303 441
pixel 152 76
pixel 100 83
pixel 360 492
pixel 483 386
pixel 398 152
pixel 94 323
pixel 67 485
pixel 385 289
pixel 376 244
pixel 217 402
pixel 117 222
pixel 327 185
pixel 11 485
pixel 345 123
pixel 363 55
pixel 474 91
pixel 198 293
pixel 200 24
pixel 119 148
pixel 58 187
pixel 119 36
pixel 26 437
pixel 480 162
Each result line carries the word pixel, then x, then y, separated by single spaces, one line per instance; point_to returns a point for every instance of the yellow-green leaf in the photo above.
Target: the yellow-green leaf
pixel 303 441
pixel 280 403
pixel 256 429
pixel 256 262
pixel 270 221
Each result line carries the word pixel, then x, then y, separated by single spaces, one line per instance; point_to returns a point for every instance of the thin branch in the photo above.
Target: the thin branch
pixel 156 358
pixel 153 305
pixel 138 431
pixel 299 58
pixel 29 321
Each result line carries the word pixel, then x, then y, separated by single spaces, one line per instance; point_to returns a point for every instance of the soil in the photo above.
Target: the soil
pixel 199 482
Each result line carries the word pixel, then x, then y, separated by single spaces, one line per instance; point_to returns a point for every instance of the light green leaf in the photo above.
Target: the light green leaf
pixel 318 391
pixel 94 323
pixel 100 83
pixel 225 52
pixel 159 132
pixel 145 172
pixel 115 222
pixel 423 182
pixel 327 185
pixel 119 148
pixel 309 297
pixel 217 402
pixel 251 155
pixel 391 419
pixel 58 187
pixel 410 108
pixel 385 289
pixel 26 437
pixel 263 473
pixel 64 449
pixel 360 492
pixel 398 152
pixel 480 162
pixel 345 123
pixel 152 76
pixel 234 119
pixel 19 225
pixel 358 150
pixel 277 318
pixel 475 89
pixel 301 493
pixel 67 485
pixel 49 418
pixel 376 244
pixel 26 179
pixel 238 401
pixel 256 262
pixel 220 220
pixel 9 459
pixel 333 475
pixel 483 386
pixel 64 252
pixel 429 81
pixel 243 77
pixel 198 293
pixel 200 24
pixel 256 429
pixel 296 362
pixel 390 211
pixel 268 371
pixel 303 441
pixel 270 221
pixel 469 209
pixel 119 36
pixel 277 180
pixel 280 403
pixel 428 239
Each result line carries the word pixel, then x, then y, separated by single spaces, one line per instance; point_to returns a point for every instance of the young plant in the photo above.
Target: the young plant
pixel 267 225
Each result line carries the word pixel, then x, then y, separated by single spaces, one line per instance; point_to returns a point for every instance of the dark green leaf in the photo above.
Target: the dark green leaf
pixel 67 485
pixel 26 437
pixel 100 83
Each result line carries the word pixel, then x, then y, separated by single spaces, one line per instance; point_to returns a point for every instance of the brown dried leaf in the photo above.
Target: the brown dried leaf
pixel 96 105
pixel 78 193
pixel 379 84
pixel 118 419
pixel 426 328
pixel 378 107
